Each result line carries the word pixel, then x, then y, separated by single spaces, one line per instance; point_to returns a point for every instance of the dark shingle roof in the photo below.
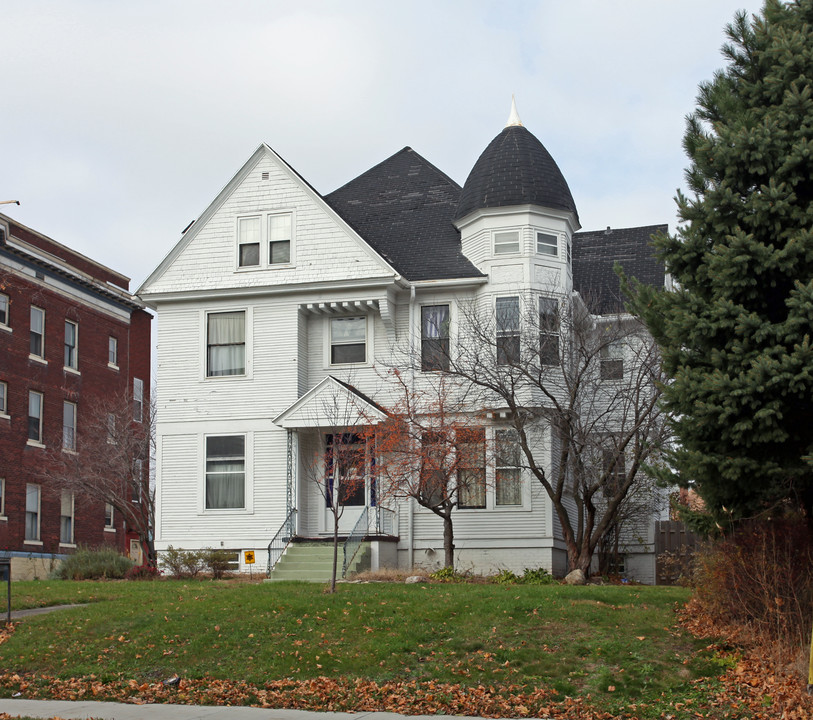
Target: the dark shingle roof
pixel 403 207
pixel 595 254
pixel 515 169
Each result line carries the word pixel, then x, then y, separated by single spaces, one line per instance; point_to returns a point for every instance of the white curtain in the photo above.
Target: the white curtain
pixel 227 343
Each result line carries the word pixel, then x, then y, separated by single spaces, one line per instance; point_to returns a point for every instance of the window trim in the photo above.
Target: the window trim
pixel 497 245
pixel 41 355
pixel 38 440
pixel 248 474
pixel 368 341
pixel 264 241
pixel 544 248
pixel 69 447
pixel 70 358
pixel 247 344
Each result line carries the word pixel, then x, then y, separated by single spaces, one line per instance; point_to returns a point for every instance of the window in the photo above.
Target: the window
pixel 138 399
pixel 32 512
pixel 37 346
pixel 225 472
pixel 547 244
pixel 471 468
pixel 226 344
pixel 508 479
pixel 68 426
pixel 548 331
pixel 108 517
pixel 506 242
pixel 435 337
pixel 2 497
pixel 348 453
pixel 507 330
pixel 3 398
pixel 569 251
pixel 112 351
pixel 614 469
pixel 34 416
pixel 248 241
pixel 612 360
pixel 66 518
pixel 4 310
pixel 348 340
pixel 71 332
pixel 435 447
pixel 279 239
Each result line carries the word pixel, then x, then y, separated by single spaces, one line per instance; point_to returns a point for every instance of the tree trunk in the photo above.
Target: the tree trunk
pixel 448 542
pixel 335 552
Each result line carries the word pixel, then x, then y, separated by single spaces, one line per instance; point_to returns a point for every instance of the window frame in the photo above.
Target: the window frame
pixel 4 399
pixel 549 329
pixel 111 525
pixel 71 517
pixel 547 249
pixel 5 312
pixel 68 432
pixel 36 440
pixel 502 246
pixel 265 240
pixel 71 352
pixel 368 340
pixel 270 242
pixel 249 242
pixel 461 439
pixel 507 339
pixel 37 540
pixel 245 344
pixel 34 333
pixel 513 466
pixel 3 499
pixel 245 507
pixel 112 351
pixel 138 400
pixel 611 361
pixel 436 360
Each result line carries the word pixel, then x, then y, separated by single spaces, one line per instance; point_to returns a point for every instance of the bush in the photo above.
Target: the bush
pixel 505 577
pixel 142 572
pixel 539 576
pixel 760 578
pixel 93 564
pixel 217 562
pixel 446 575
pixel 182 563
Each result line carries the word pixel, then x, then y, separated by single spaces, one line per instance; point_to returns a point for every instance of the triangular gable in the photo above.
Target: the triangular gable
pixel 332 403
pixel 262 152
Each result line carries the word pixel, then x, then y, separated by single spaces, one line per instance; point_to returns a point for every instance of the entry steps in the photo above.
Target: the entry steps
pixel 313 562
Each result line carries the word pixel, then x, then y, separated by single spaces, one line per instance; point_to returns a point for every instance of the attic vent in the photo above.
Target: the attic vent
pixel 39 275
pixel 265 176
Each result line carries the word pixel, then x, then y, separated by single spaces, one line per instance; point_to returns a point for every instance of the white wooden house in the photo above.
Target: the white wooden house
pixel 278 307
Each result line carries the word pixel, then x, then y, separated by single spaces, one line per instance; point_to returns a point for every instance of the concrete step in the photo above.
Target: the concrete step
pixel 314 562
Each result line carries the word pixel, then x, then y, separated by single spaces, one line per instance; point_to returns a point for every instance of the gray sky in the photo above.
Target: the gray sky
pixel 121 121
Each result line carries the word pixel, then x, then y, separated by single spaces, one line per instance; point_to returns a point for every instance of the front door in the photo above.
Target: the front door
pixel 348 482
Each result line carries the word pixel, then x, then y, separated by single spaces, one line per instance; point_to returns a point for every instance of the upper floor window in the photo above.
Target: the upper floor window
pixel 108 516
pixel 138 399
pixel 507 316
pixel 226 343
pixel 225 472
pixel 506 242
pixel 71 337
pixel 612 360
pixel 548 331
pixel 547 244
pixel 112 351
pixel 37 346
pixel 68 425
pixel 3 398
pixel 348 340
pixel 435 337
pixel 266 238
pixel 4 310
pixel 471 467
pixel 248 241
pixel 508 477
pixel 32 512
pixel 615 470
pixel 66 518
pixel 34 416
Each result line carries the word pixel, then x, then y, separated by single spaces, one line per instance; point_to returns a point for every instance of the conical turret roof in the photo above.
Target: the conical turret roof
pixel 515 169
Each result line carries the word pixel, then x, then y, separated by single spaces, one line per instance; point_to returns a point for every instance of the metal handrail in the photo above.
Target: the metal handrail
pixel 354 540
pixel 281 540
pixel 385 521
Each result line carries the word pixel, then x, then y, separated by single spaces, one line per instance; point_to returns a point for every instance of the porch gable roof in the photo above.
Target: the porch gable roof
pixel 331 403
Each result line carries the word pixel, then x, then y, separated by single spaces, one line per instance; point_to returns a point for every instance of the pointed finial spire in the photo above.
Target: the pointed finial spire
pixel 513 118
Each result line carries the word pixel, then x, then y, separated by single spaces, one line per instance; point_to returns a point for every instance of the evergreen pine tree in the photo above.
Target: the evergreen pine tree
pixel 736 331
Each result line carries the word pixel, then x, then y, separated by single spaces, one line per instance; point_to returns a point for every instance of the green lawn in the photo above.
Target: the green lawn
pixel 618 643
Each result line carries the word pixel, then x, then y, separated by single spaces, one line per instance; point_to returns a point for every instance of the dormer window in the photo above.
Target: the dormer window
pixel 506 242
pixel 547 244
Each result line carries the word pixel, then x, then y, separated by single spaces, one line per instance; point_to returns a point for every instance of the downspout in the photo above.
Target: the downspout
pixel 411 503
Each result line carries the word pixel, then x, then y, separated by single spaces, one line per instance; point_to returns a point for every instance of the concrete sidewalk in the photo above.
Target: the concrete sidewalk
pixel 82 710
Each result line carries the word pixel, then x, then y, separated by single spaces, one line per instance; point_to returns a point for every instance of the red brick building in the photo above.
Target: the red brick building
pixel 71 334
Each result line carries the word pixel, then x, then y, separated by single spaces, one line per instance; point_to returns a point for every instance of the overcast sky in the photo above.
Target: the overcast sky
pixel 121 121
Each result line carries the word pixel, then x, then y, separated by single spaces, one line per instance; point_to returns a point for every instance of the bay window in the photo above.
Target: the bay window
pixel 508 475
pixel 471 468
pixel 507 316
pixel 548 331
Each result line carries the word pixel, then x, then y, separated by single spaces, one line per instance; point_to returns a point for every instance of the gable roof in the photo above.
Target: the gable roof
pixel 515 169
pixel 404 207
pixel 595 254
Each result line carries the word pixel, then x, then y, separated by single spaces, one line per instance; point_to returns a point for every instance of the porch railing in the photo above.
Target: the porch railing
pixel 384 521
pixel 281 540
pixel 354 540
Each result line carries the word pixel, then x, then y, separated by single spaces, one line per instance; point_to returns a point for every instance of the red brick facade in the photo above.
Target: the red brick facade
pixel 36 271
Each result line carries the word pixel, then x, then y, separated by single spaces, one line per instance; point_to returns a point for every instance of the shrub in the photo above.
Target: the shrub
pixel 182 563
pixel 760 578
pixel 93 564
pixel 505 577
pixel 142 572
pixel 538 576
pixel 447 575
pixel 217 562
